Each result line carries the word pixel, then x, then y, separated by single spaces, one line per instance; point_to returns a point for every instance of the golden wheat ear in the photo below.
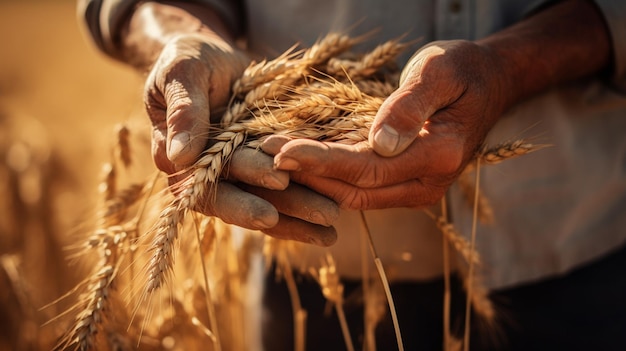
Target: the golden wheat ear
pixel 332 289
pixel 324 92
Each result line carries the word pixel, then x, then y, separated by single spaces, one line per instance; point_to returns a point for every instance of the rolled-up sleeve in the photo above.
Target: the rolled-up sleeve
pixel 614 12
pixel 102 20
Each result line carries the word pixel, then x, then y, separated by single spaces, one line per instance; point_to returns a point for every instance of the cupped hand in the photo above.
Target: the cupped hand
pixel 190 80
pixel 187 87
pixel 450 95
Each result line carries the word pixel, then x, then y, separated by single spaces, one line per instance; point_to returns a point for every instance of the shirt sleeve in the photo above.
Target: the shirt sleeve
pixel 614 12
pixel 102 20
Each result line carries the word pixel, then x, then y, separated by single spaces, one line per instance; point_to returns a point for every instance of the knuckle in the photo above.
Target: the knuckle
pixel 404 104
pixel 355 200
pixel 370 177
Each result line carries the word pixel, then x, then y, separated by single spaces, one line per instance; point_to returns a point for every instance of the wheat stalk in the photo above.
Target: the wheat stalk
pixel 505 151
pixel 95 300
pixel 332 289
pixel 108 186
pixel 369 64
pixel 312 93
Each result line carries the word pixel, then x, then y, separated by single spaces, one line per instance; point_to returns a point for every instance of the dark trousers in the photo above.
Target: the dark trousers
pixel 583 310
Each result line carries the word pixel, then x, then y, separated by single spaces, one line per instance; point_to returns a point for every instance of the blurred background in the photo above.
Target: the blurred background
pixel 60 101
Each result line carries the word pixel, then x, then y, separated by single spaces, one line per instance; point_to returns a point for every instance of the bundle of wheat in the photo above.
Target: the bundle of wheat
pixel 325 93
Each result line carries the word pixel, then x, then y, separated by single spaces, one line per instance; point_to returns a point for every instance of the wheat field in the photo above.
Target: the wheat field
pixel 59 103
pixel 91 236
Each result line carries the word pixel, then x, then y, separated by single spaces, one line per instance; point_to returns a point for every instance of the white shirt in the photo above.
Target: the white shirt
pixel 555 209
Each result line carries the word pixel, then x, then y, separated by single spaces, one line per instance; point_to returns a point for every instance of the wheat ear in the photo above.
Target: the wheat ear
pixel 369 64
pixel 95 306
pixel 508 150
pixel 123 149
pixel 205 172
pixel 258 73
pixel 385 282
pixel 332 289
pixel 299 313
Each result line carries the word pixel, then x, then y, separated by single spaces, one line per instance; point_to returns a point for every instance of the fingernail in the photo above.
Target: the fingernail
pixel 178 143
pixel 317 218
pixel 315 241
pixel 272 181
pixel 261 223
pixel 324 239
pixel 287 164
pixel 386 140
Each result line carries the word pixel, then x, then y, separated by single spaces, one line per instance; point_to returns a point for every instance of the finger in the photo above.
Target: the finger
pixel 412 193
pixel 299 202
pixel 159 153
pixel 289 228
pixel 155 107
pixel 396 124
pixel 355 164
pixel 235 206
pixel 401 117
pixel 186 96
pixel 256 168
pixel 274 143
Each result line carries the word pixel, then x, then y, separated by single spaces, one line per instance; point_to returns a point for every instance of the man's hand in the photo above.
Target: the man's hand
pixel 450 95
pixel 423 135
pixel 190 76
pixel 190 79
pixel 188 84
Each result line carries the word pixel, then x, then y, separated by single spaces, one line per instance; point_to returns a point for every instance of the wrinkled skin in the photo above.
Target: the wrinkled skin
pixel 451 94
pixel 189 81
pixel 423 136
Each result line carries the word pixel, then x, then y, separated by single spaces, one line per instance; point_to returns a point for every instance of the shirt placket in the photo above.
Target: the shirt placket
pixel 454 19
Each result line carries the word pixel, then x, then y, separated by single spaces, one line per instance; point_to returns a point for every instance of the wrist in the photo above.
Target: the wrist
pixel 564 42
pixel 153 24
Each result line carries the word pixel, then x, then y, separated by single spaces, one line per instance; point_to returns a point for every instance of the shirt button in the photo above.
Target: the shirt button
pixel 455 6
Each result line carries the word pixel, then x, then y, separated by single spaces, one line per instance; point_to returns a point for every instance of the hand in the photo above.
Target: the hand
pixel 189 80
pixel 424 134
pixel 192 77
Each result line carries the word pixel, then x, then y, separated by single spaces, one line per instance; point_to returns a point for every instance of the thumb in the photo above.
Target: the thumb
pixel 399 121
pixel 401 117
pixel 187 120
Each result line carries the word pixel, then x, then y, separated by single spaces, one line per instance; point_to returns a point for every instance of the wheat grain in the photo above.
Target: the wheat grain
pixel 108 185
pixel 331 45
pixel 265 71
pixel 115 207
pixel 123 145
pixel 234 114
pixel 375 88
pixel 311 93
pixel 508 150
pixel 99 286
pixel 162 247
pixel 460 244
pixel 369 64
